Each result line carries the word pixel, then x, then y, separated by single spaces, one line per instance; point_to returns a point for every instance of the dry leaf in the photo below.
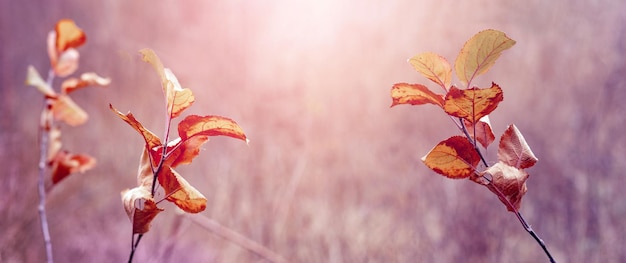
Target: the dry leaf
pixel 434 67
pixel 66 110
pixel 472 104
pixel 481 131
pixel 140 208
pixel 183 152
pixel 68 35
pixel 34 79
pixel 85 80
pixel 414 94
pixel 65 163
pixel 180 192
pixel 510 181
pixel 67 63
pixel 194 125
pixel 454 158
pixel 152 141
pixel 513 149
pixel 480 53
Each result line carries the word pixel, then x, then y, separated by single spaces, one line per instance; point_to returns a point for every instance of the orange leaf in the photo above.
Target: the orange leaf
pixel 510 181
pixel 454 158
pixel 54 143
pixel 480 53
pixel 434 67
pixel 65 109
pixel 180 192
pixel 145 176
pixel 481 131
pixel 194 125
pixel 151 139
pixel 64 164
pixel 34 79
pixel 472 104
pixel 414 94
pixel 86 79
pixel 68 35
pixel 183 152
pixel 140 208
pixel 513 149
pixel 178 99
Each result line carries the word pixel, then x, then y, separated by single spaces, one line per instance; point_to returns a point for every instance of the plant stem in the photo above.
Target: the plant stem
pixel 43 155
pixel 134 244
pixel 506 201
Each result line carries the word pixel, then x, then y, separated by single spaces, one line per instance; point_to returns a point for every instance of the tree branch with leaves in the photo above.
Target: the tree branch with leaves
pixel 460 157
pixel 59 107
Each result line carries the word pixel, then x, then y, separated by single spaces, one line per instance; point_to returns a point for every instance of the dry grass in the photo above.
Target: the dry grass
pixel 331 173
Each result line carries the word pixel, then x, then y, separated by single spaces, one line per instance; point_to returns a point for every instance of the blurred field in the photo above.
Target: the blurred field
pixel 331 174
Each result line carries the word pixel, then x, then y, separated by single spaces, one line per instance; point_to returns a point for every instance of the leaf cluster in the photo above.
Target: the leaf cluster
pixel 159 158
pixel 469 107
pixel 62 46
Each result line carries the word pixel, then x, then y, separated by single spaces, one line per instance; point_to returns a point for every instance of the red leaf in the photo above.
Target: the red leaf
pixel 152 141
pixel 414 94
pixel 68 35
pixel 85 80
pixel 454 158
pixel 472 104
pixel 481 131
pixel 513 149
pixel 65 163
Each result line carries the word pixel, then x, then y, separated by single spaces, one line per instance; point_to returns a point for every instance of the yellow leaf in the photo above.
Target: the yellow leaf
pixel 480 53
pixel 414 94
pixel 34 79
pixel 140 208
pixel 180 192
pixel 434 67
pixel 178 99
pixel 455 158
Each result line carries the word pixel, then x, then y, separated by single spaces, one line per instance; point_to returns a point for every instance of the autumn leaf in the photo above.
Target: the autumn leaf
pixel 434 67
pixel 510 181
pixel 152 141
pixel 65 163
pixel 513 149
pixel 140 208
pixel 178 99
pixel 480 53
pixel 66 110
pixel 194 125
pixel 180 192
pixel 85 80
pixel 454 158
pixel 414 94
pixel 472 104
pixel 68 35
pixel 183 152
pixel 67 63
pixel 34 79
pixel 481 131
pixel 145 174
pixel 54 143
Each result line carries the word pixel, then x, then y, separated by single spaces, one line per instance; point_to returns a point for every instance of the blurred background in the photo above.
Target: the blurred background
pixel 332 174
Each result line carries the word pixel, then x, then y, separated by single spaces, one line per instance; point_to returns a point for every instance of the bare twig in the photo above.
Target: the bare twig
pixel 232 236
pixel 44 128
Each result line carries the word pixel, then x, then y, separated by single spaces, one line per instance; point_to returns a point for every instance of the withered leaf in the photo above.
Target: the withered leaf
pixel 482 132
pixel 140 208
pixel 152 141
pixel 85 80
pixel 194 125
pixel 183 152
pixel 454 158
pixel 180 192
pixel 434 67
pixel 66 110
pixel 67 63
pixel 65 163
pixel 414 94
pixel 68 35
pixel 513 149
pixel 34 79
pixel 472 104
pixel 510 181
pixel 480 53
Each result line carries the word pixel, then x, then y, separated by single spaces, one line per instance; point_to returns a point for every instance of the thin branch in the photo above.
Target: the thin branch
pixel 43 156
pixel 238 239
